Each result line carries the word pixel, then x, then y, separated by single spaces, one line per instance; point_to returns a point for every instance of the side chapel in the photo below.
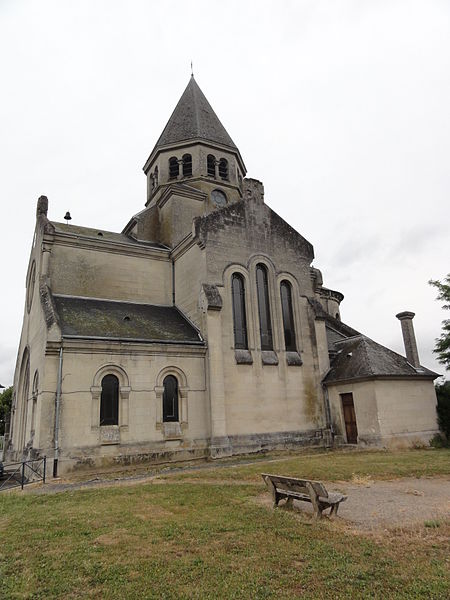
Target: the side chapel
pixel 200 330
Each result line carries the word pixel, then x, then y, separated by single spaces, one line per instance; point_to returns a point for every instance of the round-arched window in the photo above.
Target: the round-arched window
pixel 170 399
pixel 223 168
pixel 109 401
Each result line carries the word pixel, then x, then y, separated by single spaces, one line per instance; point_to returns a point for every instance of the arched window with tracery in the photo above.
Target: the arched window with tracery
pixel 288 316
pixel 109 401
pixel 170 399
pixel 239 313
pixel 265 324
pixel 187 165
pixel 174 168
pixel 223 168
pixel 211 165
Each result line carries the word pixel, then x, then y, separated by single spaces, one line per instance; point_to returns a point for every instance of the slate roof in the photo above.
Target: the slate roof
pixel 194 118
pixel 102 234
pixel 359 357
pixel 336 329
pixel 107 319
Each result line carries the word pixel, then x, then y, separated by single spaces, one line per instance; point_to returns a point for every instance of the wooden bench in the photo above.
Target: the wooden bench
pixel 305 490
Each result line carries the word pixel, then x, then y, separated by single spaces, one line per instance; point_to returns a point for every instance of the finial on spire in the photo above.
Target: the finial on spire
pixel 192 69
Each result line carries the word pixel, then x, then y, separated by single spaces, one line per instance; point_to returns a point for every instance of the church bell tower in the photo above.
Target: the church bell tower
pixel 194 168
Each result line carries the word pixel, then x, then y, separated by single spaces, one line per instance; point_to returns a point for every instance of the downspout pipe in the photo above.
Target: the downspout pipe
pixel 173 282
pixel 57 412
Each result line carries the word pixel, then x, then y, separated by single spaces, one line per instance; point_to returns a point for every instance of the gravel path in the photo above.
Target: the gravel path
pixel 406 501
pixel 386 504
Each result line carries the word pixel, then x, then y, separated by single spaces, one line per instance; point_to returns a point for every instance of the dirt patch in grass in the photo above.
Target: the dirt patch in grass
pixel 120 536
pixel 153 511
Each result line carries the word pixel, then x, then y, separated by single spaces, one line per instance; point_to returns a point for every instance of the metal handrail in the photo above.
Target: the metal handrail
pixel 35 467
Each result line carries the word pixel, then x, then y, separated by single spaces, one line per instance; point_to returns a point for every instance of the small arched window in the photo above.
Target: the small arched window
pixel 170 399
pixel 109 401
pixel 288 316
pixel 223 168
pixel 187 165
pixel 239 314
pixel 156 176
pixel 265 326
pixel 174 168
pixel 211 165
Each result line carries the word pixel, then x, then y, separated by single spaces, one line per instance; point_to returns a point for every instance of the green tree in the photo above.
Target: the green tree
pixel 443 408
pixel 442 347
pixel 5 407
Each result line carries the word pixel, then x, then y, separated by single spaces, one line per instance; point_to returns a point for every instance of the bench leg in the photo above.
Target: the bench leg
pixel 317 508
pixel 334 509
pixel 315 501
pixel 273 491
pixel 290 502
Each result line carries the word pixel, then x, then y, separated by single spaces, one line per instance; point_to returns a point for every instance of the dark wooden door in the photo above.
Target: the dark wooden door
pixel 349 418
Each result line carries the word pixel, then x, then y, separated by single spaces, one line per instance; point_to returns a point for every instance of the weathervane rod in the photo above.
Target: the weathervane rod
pixel 192 69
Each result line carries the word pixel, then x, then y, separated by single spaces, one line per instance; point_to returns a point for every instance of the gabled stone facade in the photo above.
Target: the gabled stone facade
pixel 201 329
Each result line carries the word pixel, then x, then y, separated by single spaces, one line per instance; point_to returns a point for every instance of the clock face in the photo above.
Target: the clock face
pixel 218 198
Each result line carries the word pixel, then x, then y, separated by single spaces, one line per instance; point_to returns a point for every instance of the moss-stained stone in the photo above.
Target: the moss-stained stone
pixel 311 401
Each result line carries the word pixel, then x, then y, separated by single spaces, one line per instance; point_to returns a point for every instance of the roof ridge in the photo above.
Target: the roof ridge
pixel 195 102
pixel 364 339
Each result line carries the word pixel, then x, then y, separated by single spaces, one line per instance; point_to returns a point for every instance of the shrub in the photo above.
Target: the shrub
pixel 438 441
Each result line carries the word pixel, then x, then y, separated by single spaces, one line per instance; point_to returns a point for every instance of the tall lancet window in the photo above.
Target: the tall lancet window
pixel 109 401
pixel 239 315
pixel 174 168
pixel 187 165
pixel 288 316
pixel 265 326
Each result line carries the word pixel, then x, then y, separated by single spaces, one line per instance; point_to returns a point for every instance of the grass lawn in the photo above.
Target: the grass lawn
pixel 334 466
pixel 194 539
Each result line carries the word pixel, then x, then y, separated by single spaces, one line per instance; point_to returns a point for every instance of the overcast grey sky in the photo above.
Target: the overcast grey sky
pixel 341 108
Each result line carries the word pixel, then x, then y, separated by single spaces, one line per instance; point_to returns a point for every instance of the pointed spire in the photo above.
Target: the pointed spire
pixel 194 118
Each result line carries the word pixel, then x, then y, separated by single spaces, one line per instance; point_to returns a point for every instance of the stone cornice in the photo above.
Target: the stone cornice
pixel 182 190
pixel 109 347
pixel 183 246
pixel 326 293
pixel 109 246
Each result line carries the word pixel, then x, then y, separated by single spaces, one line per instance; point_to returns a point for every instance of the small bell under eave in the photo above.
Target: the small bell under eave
pixel 67 217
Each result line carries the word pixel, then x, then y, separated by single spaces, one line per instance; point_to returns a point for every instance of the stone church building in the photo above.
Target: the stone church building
pixel 200 330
